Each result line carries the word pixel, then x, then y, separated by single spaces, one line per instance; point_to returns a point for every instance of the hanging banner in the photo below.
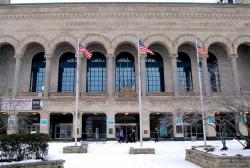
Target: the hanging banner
pixel 21 104
pixel 16 104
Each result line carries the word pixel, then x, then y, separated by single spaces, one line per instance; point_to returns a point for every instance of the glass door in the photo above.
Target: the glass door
pixel 63 131
pixel 127 130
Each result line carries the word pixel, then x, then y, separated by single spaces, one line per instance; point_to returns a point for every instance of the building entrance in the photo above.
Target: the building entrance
pixel 61 125
pixel 63 131
pixel 127 122
pixel 127 130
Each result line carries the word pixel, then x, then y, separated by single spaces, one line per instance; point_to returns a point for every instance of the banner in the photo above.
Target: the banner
pixel 21 104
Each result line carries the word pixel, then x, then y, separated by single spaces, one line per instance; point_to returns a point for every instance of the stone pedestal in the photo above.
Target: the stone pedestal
pixel 134 151
pixel 75 149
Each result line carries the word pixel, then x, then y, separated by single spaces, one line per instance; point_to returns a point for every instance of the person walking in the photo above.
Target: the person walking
pixel 121 136
pixel 133 136
pixel 156 135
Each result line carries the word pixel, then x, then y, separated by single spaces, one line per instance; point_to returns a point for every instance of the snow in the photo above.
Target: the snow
pixel 234 148
pixel 111 154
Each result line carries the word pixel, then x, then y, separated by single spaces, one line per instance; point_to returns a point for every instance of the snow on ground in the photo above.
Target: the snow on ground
pixel 234 148
pixel 111 154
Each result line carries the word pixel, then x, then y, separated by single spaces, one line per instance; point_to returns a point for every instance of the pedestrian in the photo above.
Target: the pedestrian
pixel 121 136
pixel 156 135
pixel 133 136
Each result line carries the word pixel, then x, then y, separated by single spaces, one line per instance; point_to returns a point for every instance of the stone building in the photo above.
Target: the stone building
pixel 38 49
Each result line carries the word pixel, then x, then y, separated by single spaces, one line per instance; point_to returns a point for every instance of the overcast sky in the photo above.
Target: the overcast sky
pixel 41 1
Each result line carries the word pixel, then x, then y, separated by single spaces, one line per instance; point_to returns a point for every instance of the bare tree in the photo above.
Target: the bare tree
pixel 12 110
pixel 240 109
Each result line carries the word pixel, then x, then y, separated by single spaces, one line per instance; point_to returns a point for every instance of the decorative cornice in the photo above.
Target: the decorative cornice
pixel 153 14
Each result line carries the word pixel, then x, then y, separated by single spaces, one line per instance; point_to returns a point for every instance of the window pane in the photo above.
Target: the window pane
pixel 96 73
pixel 125 71
pixel 37 73
pixel 184 73
pixel 67 73
pixel 155 73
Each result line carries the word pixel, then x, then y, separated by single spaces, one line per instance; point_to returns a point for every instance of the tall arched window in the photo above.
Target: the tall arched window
pixel 37 73
pixel 125 71
pixel 67 73
pixel 96 73
pixel 184 72
pixel 214 75
pixel 155 73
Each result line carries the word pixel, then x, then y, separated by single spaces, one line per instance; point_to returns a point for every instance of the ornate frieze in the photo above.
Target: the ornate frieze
pixel 125 15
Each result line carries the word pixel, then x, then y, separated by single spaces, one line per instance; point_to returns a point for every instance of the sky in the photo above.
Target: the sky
pixel 50 1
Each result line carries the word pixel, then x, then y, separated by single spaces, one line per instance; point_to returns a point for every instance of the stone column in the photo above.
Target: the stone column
pixel 235 75
pixel 146 125
pixel 83 75
pixel 16 75
pixel 174 74
pixel 110 125
pixel 47 75
pixel 110 74
pixel 44 122
pixel 143 75
pixel 79 125
pixel 207 88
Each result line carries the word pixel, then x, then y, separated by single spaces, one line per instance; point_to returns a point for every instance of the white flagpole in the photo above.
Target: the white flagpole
pixel 139 91
pixel 201 98
pixel 77 88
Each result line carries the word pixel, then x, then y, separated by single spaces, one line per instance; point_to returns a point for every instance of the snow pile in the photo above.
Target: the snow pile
pixel 234 148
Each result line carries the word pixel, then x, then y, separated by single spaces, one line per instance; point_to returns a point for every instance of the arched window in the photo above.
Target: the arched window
pixel 67 73
pixel 37 73
pixel 125 71
pixel 184 72
pixel 155 73
pixel 214 76
pixel 96 73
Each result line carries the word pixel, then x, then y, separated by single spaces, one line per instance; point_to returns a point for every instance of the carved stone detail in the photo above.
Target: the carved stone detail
pixel 127 94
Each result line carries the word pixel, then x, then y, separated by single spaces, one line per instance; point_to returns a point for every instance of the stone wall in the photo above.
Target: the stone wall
pixel 207 160
pixel 40 164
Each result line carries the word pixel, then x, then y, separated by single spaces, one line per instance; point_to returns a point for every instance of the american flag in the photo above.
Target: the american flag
pixel 202 51
pixel 84 50
pixel 145 49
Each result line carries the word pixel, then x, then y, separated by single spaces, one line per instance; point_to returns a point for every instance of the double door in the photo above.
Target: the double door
pixel 127 130
pixel 63 131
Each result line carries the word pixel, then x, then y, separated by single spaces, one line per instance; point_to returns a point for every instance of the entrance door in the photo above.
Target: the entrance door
pixel 127 130
pixel 63 131
pixel 190 131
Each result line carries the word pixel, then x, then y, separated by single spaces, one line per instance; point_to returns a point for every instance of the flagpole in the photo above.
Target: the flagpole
pixel 201 98
pixel 139 90
pixel 77 89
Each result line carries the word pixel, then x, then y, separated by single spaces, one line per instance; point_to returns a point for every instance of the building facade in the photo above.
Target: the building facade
pixel 38 49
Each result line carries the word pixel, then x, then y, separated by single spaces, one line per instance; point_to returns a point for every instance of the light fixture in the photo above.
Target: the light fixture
pixel 64 113
pixel 95 113
pixel 126 113
pixel 158 113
